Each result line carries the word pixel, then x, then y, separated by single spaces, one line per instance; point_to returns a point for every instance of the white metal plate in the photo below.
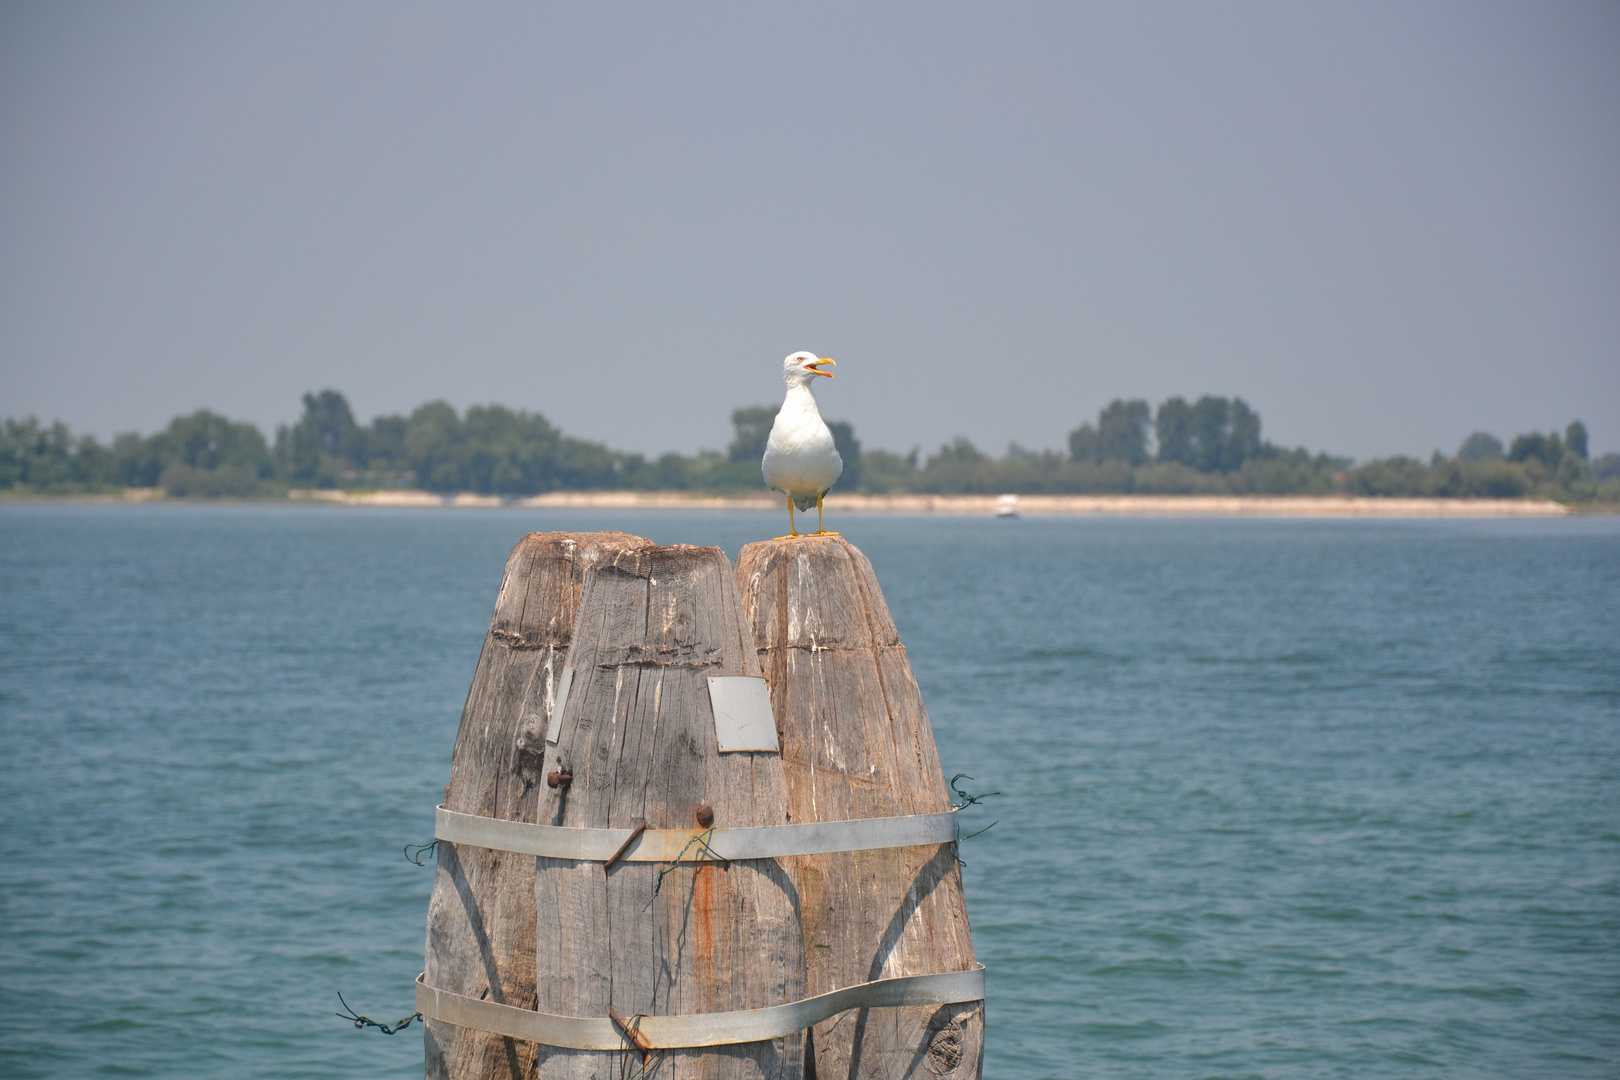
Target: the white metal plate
pixel 742 713
pixel 554 728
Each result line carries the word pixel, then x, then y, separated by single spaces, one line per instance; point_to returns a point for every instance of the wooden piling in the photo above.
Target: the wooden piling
pixel 856 743
pixel 638 738
pixel 481 918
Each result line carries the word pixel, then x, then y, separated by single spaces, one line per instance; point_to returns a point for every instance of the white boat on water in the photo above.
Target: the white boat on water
pixel 1007 506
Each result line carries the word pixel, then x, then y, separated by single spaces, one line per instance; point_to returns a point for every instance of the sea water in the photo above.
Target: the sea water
pixel 1277 798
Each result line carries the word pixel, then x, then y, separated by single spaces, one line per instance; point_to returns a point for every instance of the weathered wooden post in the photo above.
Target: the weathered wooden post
pixel 481 919
pixel 856 743
pixel 638 740
pixel 663 849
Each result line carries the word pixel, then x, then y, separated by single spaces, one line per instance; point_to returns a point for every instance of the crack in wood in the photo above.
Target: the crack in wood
pixel 518 642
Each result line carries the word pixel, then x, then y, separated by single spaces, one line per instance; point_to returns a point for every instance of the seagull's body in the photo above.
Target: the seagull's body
pixel 800 459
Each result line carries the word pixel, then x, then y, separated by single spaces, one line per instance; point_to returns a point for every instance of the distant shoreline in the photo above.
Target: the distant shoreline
pixel 1274 506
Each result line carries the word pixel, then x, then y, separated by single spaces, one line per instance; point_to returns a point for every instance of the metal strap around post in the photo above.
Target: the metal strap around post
pixel 666 845
pixel 701 1029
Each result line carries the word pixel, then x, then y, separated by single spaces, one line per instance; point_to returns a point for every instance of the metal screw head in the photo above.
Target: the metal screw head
pixel 704 815
pixel 559 779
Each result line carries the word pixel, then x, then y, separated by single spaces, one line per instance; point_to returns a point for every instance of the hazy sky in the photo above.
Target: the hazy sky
pixel 1384 225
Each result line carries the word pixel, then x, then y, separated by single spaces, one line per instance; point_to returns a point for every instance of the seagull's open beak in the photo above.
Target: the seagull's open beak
pixel 815 366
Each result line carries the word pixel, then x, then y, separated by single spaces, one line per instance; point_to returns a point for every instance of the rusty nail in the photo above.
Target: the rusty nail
pixel 640 828
pixel 704 815
pixel 559 779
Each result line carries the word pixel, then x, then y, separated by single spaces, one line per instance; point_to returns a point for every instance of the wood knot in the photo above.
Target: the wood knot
pixel 704 815
pixel 531 750
pixel 559 779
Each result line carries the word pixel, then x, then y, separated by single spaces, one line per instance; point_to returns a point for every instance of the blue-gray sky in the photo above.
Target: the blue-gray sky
pixel 1384 225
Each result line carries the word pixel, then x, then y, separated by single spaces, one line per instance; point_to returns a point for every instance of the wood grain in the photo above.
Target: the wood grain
pixel 856 742
pixel 481 918
pixel 638 736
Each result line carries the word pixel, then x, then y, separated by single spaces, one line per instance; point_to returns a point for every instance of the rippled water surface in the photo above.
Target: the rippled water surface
pixel 1280 799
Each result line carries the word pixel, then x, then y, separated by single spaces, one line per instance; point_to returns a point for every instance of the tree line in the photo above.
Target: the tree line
pixel 1209 446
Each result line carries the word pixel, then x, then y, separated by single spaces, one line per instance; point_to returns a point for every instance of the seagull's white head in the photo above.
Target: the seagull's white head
pixel 799 368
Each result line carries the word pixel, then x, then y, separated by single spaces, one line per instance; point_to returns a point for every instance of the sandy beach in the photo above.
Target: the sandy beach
pixel 982 505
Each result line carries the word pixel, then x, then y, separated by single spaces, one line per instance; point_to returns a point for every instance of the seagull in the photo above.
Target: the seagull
pixel 800 459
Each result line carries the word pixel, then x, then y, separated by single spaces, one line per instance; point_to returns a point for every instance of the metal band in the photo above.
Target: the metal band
pixel 666 845
pixel 701 1029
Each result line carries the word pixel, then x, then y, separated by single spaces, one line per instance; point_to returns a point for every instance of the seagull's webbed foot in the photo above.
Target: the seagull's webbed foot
pixel 793 529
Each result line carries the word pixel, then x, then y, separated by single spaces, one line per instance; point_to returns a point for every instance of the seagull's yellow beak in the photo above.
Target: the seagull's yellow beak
pixel 815 366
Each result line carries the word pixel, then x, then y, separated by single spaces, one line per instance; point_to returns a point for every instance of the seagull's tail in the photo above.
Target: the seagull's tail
pixel 804 502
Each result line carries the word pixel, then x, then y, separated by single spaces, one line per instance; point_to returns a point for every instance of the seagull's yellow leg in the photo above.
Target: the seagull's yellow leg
pixel 821 530
pixel 793 530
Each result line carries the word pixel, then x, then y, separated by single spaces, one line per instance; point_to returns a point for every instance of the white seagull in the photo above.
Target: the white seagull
pixel 800 459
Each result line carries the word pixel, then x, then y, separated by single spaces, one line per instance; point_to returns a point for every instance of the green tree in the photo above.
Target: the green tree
pixel 509 452
pixel 206 454
pixel 1212 435
pixel 849 449
pixel 959 451
pixel 958 466
pixel 1083 444
pixel 1173 427
pixel 37 456
pixel 585 464
pixel 1120 434
pixel 1575 439
pixel 1243 436
pixel 137 461
pixel 491 449
pixel 385 443
pixel 884 472
pixel 433 447
pixel 1493 478
pixel 325 443
pixel 1547 449
pixel 1480 446
pixel 753 426
pixel 206 440
pixel 1211 420
pixel 203 442
pixel 1393 476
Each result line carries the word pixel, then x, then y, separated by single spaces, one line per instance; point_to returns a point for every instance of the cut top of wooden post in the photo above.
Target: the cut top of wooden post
pixel 539 597
pixel 817 596
pixel 500 744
